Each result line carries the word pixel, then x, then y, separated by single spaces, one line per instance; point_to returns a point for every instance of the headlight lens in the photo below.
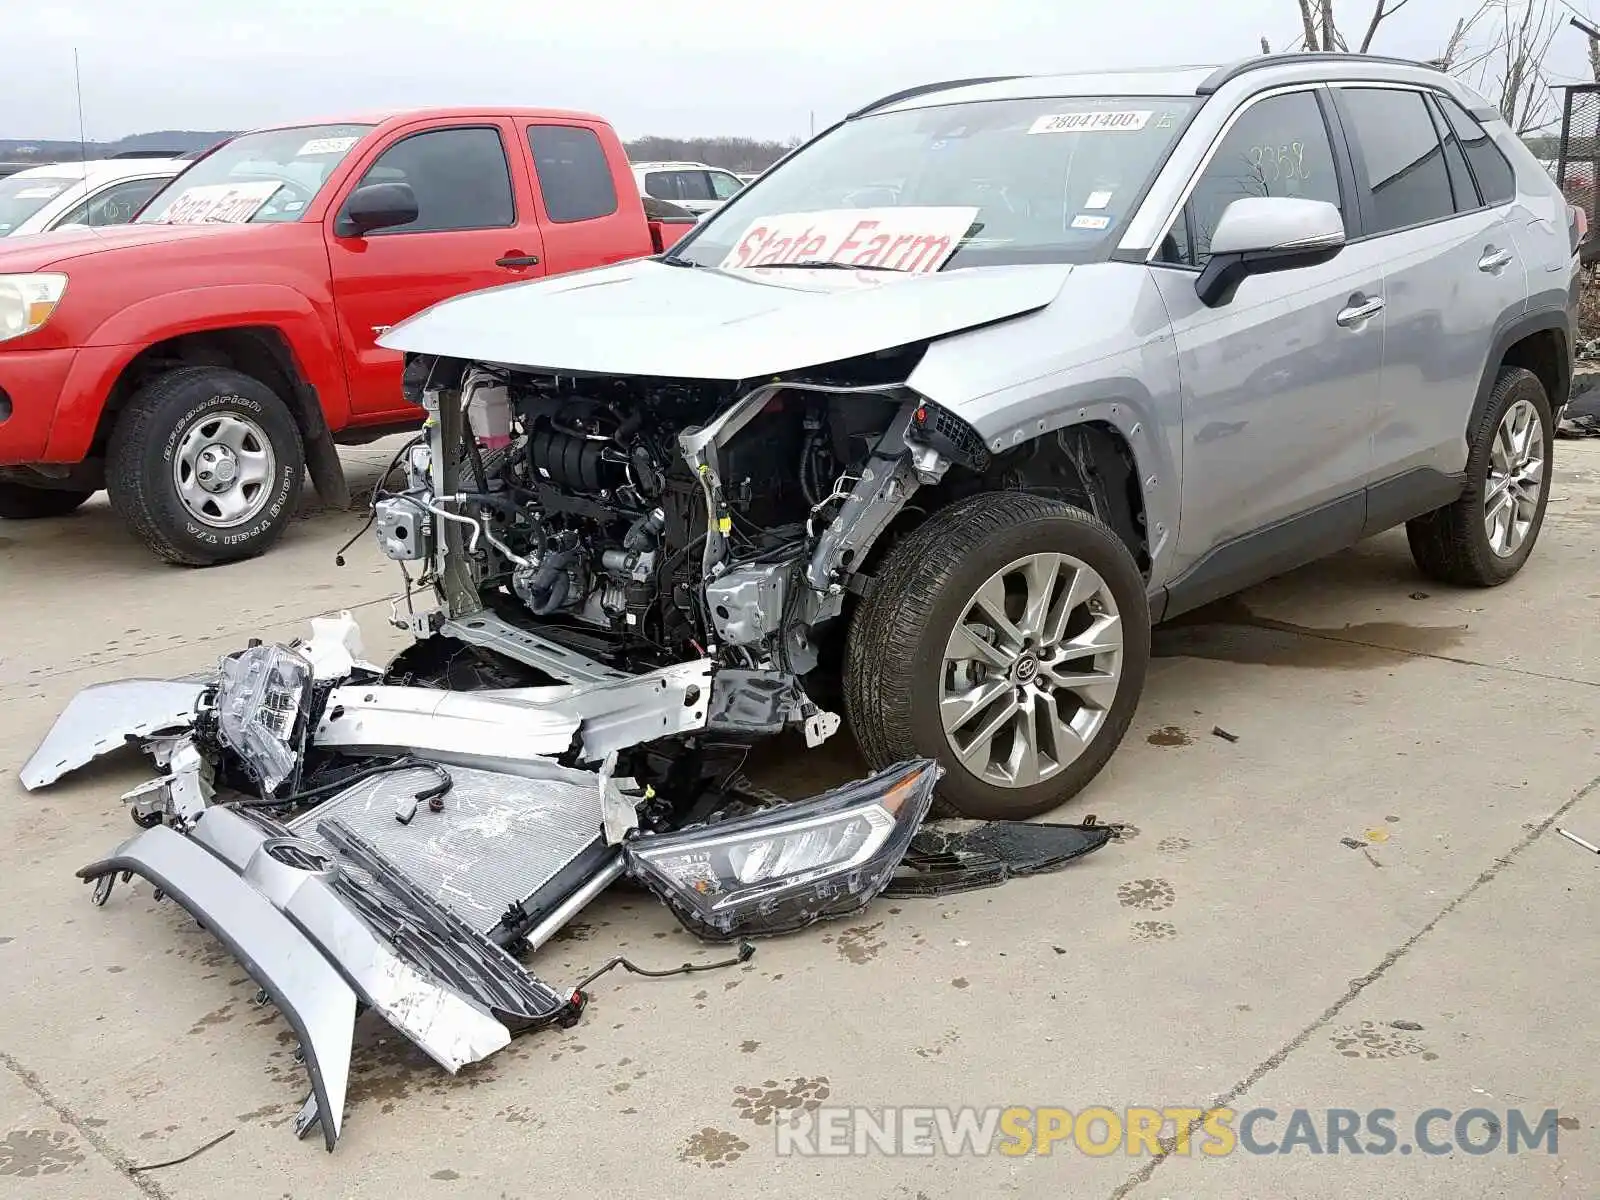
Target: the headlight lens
pixel 262 704
pixel 26 302
pixel 787 867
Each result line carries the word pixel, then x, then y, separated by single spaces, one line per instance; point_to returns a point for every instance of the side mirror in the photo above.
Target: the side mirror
pixel 377 206
pixel 1261 234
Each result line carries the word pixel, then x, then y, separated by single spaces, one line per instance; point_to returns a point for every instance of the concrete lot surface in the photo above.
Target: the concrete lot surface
pixel 1359 904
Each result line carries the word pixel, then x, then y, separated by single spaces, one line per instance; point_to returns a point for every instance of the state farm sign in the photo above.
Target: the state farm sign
pixel 917 240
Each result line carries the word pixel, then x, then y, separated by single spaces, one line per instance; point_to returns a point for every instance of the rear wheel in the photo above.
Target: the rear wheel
pixel 1483 538
pixel 19 502
pixel 205 465
pixel 1007 638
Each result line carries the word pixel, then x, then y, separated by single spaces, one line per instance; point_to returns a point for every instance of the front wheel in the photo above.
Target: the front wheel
pixel 205 465
pixel 1008 638
pixel 19 502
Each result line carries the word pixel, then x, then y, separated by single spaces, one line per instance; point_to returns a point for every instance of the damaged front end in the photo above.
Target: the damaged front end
pixel 615 586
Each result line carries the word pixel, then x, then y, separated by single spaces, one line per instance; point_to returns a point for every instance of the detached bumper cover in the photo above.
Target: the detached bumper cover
pixel 316 1001
pixel 319 939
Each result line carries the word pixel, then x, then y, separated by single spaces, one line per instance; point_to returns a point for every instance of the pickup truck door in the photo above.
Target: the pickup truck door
pixel 476 227
pixel 590 210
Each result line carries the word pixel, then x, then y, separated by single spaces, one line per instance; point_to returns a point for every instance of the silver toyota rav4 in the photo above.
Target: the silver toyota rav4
pixel 947 408
pixel 928 424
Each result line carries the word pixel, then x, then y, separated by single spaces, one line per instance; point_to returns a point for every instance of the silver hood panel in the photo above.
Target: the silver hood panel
pixel 647 318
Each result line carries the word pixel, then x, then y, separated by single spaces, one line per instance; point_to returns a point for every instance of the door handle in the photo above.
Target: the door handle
pixel 1494 260
pixel 518 260
pixel 1358 313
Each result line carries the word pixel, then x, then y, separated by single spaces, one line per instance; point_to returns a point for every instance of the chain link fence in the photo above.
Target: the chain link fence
pixel 1578 159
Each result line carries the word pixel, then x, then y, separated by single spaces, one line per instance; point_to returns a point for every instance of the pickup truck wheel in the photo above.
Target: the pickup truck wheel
pixel 1483 538
pixel 19 502
pixel 1007 638
pixel 205 465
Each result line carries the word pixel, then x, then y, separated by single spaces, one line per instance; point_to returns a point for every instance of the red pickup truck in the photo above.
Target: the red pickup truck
pixel 199 362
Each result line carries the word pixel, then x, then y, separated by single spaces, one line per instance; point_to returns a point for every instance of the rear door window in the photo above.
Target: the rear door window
pixel 693 185
pixel 1401 157
pixel 460 176
pixel 574 176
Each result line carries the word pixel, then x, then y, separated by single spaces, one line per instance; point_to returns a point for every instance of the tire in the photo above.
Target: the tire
pixel 1453 544
pixel 168 429
pixel 896 672
pixel 19 502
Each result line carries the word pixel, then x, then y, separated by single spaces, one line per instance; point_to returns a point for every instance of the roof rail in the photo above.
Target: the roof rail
pixel 923 90
pixel 146 154
pixel 1231 72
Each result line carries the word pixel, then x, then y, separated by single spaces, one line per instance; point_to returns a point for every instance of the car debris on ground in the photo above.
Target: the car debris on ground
pixel 362 844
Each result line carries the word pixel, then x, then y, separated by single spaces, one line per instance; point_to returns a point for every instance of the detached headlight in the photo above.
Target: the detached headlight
pixel 263 700
pixel 26 302
pixel 784 868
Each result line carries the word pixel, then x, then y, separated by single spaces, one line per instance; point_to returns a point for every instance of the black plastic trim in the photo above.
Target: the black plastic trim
pixel 1539 321
pixel 1260 555
pixel 1409 494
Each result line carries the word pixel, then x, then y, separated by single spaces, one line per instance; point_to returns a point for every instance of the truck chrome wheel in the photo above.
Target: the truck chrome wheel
pixel 1031 669
pixel 1516 474
pixel 223 470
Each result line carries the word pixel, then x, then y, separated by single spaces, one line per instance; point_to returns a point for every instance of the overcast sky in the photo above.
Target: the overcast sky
pixel 675 67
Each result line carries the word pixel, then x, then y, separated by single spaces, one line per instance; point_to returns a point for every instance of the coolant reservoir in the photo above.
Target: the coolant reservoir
pixel 489 416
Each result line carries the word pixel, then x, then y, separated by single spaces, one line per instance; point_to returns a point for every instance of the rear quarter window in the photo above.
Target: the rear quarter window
pixel 1497 180
pixel 574 176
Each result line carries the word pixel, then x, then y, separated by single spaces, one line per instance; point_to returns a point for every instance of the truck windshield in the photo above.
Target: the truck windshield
pixel 958 185
pixel 23 195
pixel 256 178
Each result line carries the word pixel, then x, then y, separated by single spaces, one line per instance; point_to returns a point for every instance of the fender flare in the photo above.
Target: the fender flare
pixel 321 397
pixel 1541 320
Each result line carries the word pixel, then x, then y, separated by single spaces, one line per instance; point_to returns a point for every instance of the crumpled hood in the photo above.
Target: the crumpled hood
pixel 647 318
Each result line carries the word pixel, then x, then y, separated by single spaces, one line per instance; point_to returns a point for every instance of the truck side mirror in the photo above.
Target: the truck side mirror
pixel 377 206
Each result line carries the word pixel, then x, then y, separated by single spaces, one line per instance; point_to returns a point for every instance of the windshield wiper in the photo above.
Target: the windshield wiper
pixel 672 260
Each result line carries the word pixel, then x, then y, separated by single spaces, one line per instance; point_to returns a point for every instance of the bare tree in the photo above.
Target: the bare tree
pixel 1500 51
pixel 1320 28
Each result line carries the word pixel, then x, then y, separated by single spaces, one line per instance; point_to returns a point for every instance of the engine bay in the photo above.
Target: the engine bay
pixel 641 522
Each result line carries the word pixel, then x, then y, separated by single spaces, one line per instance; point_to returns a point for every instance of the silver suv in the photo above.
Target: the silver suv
pixel 937 417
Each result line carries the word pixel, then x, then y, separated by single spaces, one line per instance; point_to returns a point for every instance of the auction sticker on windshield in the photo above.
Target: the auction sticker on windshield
pixel 1097 121
pixel 917 240
pixel 219 203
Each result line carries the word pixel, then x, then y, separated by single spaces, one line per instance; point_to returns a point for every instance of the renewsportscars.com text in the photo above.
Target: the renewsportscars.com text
pixel 1147 1131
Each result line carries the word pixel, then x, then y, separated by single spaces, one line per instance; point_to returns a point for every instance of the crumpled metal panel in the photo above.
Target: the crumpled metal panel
pixel 102 718
pixel 647 318
pixel 318 1004
pixel 499 839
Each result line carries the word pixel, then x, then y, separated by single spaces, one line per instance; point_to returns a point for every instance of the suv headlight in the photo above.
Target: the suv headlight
pixel 263 701
pixel 26 302
pixel 788 866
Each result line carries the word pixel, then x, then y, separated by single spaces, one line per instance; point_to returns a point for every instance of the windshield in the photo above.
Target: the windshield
pixel 959 185
pixel 260 177
pixel 22 196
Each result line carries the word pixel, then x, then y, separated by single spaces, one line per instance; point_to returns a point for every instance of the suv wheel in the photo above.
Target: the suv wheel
pixel 19 502
pixel 1007 638
pixel 205 465
pixel 1484 537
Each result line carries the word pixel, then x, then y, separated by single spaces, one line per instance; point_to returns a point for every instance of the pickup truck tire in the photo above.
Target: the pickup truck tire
pixel 1483 538
pixel 205 465
pixel 19 502
pixel 913 659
